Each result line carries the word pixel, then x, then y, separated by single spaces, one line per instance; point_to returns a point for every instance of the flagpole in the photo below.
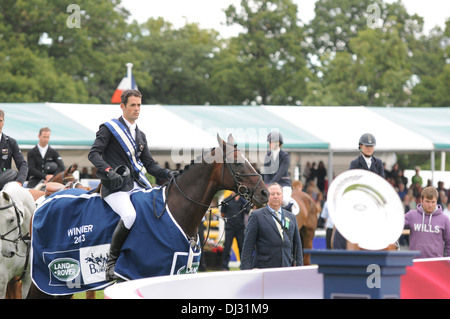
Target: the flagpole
pixel 129 76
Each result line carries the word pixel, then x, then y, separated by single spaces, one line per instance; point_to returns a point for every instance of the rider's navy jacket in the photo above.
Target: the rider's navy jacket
pixel 107 152
pixel 277 171
pixel 376 166
pixel 10 150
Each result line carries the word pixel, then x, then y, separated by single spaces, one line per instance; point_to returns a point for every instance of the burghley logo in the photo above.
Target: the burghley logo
pixel 96 263
pixel 64 269
pixel 93 263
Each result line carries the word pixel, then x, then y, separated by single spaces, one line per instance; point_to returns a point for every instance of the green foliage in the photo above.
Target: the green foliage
pixel 354 52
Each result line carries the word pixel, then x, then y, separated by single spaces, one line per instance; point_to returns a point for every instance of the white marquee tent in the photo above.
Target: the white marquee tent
pixel 180 129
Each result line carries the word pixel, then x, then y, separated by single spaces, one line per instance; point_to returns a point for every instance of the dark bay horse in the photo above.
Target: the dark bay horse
pixel 189 195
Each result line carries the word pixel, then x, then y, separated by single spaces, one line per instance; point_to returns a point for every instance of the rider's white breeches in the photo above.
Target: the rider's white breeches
pixel 120 203
pixel 287 192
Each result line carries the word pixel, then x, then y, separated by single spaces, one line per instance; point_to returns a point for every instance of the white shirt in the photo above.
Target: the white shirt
pixel 42 150
pixel 131 127
pixel 368 161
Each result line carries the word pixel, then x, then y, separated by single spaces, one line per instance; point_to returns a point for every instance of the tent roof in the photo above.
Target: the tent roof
pixel 23 121
pixel 250 125
pixel 183 128
pixel 430 123
pixel 342 127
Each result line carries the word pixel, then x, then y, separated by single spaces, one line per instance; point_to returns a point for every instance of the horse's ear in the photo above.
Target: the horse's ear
pixel 6 196
pixel 221 141
pixel 230 139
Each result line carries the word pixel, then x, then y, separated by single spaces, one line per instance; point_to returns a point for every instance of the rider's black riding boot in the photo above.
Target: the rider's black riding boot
pixel 118 238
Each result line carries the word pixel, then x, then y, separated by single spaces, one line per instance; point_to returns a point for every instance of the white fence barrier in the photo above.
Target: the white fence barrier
pixel 275 283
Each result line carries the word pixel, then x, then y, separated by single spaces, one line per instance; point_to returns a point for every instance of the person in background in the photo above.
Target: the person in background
pixel 328 225
pixel 44 162
pixel 10 151
pixel 365 161
pixel 234 212
pixel 417 179
pixel 429 227
pixel 276 170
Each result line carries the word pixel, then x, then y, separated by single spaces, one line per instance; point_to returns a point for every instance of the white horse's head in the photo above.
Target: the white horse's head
pixel 16 208
pixel 10 223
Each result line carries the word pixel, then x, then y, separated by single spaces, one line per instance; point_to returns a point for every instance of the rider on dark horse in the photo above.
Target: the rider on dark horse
pixel 121 155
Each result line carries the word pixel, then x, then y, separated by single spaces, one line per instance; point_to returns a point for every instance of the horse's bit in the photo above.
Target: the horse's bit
pixel 242 190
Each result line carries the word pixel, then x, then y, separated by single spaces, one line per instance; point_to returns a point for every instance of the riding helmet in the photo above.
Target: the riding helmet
pixel 367 139
pixel 50 167
pixel 275 137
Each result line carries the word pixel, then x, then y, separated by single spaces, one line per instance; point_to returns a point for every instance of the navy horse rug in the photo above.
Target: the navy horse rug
pixel 72 231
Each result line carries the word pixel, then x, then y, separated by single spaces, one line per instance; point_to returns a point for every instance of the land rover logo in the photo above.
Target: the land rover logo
pixel 64 269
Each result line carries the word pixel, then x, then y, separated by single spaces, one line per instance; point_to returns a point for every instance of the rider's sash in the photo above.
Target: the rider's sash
pixel 123 136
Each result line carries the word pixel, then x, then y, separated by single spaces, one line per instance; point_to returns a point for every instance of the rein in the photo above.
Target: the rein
pixel 242 190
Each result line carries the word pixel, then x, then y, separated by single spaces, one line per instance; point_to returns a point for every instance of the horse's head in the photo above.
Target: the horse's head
pixel 239 175
pixel 65 176
pixel 10 224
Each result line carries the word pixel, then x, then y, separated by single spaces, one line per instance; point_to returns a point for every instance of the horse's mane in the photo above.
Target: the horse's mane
pixel 197 160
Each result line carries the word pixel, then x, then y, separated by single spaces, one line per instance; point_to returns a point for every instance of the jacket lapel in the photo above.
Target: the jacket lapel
pixel 362 161
pixel 269 217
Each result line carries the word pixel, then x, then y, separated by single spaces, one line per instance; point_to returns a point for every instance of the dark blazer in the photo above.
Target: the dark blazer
pixel 376 167
pixel 107 152
pixel 10 150
pixel 277 171
pixel 263 246
pixel 36 164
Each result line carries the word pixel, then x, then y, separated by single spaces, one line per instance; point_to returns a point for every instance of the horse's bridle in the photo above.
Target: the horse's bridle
pixel 242 190
pixel 24 238
pixel 20 237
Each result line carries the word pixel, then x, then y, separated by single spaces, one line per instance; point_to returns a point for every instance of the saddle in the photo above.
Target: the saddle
pixel 53 187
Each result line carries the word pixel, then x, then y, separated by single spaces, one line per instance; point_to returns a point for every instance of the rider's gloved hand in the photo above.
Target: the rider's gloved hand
pixel 114 179
pixel 172 174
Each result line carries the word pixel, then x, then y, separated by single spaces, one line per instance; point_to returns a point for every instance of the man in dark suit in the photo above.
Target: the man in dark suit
pixel 121 155
pixel 10 150
pixel 268 244
pixel 44 162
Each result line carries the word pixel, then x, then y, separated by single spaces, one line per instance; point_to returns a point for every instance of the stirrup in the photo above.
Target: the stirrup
pixel 109 271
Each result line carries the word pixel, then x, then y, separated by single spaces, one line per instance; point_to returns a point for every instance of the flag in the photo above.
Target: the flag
pixel 127 83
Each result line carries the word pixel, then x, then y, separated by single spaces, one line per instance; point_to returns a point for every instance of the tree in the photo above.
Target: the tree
pixel 432 70
pixel 75 57
pixel 270 59
pixel 177 62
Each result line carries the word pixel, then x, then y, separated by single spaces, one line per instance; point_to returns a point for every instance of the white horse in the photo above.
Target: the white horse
pixel 16 209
